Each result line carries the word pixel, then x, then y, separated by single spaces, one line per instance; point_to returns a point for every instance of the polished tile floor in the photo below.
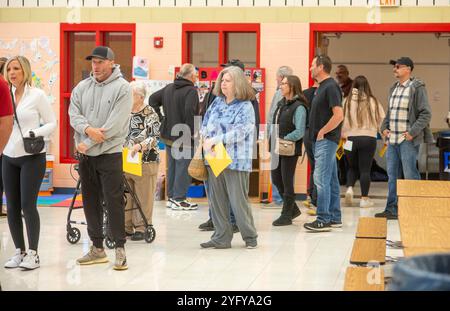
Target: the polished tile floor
pixel 288 258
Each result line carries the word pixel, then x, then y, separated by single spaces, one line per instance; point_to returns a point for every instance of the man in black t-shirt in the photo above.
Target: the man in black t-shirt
pixel 324 132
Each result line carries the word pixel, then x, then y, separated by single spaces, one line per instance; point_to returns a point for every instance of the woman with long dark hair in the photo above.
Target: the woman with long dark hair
pixel 363 115
pixel 291 119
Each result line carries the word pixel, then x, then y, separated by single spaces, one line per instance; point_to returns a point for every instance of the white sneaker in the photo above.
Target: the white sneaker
pixel 184 205
pixel 169 203
pixel 349 196
pixel 366 203
pixel 15 260
pixel 30 261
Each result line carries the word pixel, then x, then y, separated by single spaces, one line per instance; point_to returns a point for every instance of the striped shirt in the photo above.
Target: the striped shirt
pixel 398 118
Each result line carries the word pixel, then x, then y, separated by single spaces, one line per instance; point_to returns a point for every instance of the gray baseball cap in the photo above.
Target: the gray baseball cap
pixel 102 52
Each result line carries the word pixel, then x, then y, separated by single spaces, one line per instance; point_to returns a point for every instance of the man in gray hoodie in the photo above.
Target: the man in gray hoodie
pixel 99 111
pixel 405 126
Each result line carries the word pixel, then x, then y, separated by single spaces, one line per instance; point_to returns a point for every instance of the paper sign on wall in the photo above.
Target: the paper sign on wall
pixel 140 67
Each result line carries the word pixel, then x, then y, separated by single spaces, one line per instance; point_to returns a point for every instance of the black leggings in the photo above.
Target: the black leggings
pixel 283 175
pixel 360 161
pixel 22 178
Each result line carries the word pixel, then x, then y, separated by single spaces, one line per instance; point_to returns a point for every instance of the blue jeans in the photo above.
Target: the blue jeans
pixel 178 178
pixel 276 194
pixel 327 182
pixel 402 157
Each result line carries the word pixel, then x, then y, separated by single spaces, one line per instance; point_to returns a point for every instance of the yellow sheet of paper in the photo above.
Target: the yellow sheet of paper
pixel 220 160
pixel 382 151
pixel 340 149
pixel 132 168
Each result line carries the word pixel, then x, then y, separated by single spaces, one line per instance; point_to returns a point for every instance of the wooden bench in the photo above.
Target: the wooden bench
pixel 364 279
pixel 372 228
pixel 368 250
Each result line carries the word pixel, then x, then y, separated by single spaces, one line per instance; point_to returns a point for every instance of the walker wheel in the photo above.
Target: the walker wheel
pixel 150 234
pixel 73 235
pixel 110 243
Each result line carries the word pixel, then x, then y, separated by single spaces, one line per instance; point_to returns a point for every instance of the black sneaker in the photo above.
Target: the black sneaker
pixel 128 234
pixel 207 226
pixel 137 236
pixel 235 228
pixel 318 226
pixel 386 214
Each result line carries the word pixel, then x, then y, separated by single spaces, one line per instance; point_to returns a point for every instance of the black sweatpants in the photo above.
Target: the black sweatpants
pixel 102 180
pixel 283 175
pixel 360 161
pixel 22 178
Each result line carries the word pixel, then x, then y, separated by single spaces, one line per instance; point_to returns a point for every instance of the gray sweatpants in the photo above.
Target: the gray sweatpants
pixel 230 189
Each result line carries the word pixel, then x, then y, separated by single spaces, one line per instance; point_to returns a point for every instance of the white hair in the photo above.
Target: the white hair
pixel 284 71
pixel 139 88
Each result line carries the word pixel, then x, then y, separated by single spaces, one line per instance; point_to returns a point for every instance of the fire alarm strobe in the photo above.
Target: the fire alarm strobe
pixel 158 42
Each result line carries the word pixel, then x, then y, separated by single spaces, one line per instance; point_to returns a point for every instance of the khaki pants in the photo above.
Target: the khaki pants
pixel 144 187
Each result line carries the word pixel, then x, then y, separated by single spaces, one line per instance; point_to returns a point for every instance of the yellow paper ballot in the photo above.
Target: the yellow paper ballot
pixel 340 149
pixel 382 151
pixel 132 165
pixel 220 160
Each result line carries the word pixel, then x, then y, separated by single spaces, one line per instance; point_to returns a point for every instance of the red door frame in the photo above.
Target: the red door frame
pixel 222 29
pixel 65 72
pixel 315 28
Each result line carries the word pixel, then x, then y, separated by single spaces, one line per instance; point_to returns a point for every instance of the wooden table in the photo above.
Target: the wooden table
pixel 425 232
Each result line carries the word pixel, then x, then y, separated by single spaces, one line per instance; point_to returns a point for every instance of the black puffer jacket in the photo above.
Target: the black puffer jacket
pixel 180 102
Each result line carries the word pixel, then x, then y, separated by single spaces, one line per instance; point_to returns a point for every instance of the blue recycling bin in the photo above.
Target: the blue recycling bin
pixel 443 143
pixel 422 273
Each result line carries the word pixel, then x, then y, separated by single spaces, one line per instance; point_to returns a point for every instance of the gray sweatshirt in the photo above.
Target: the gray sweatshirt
pixel 105 105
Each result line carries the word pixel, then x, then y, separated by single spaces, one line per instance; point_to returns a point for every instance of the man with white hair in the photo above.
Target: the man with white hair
pixel 180 104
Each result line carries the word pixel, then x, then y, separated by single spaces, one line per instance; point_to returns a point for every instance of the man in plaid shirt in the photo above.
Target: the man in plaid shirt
pixel 405 126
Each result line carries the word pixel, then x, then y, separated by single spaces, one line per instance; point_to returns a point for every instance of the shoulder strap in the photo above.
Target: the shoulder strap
pixel 15 112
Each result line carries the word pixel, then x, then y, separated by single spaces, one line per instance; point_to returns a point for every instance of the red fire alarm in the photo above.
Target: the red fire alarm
pixel 158 42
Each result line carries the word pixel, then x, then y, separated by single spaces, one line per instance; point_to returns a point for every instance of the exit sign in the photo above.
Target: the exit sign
pixel 388 3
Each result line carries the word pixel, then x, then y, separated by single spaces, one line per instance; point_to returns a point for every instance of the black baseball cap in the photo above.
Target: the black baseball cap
pixel 403 61
pixel 234 62
pixel 102 52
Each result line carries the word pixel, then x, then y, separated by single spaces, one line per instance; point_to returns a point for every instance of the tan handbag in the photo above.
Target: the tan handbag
pixel 285 147
pixel 197 168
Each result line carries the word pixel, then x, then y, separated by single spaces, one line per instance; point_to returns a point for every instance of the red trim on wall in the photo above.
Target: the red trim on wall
pixel 221 29
pixel 65 72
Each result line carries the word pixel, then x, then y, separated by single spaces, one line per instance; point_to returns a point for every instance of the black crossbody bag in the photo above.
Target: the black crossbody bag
pixel 33 144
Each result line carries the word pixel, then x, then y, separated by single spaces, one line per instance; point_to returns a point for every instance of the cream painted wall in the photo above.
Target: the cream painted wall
pixel 163 58
pixel 286 44
pixel 25 33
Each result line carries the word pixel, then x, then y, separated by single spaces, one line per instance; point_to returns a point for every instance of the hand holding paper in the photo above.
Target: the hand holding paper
pixel 132 164
pixel 219 159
